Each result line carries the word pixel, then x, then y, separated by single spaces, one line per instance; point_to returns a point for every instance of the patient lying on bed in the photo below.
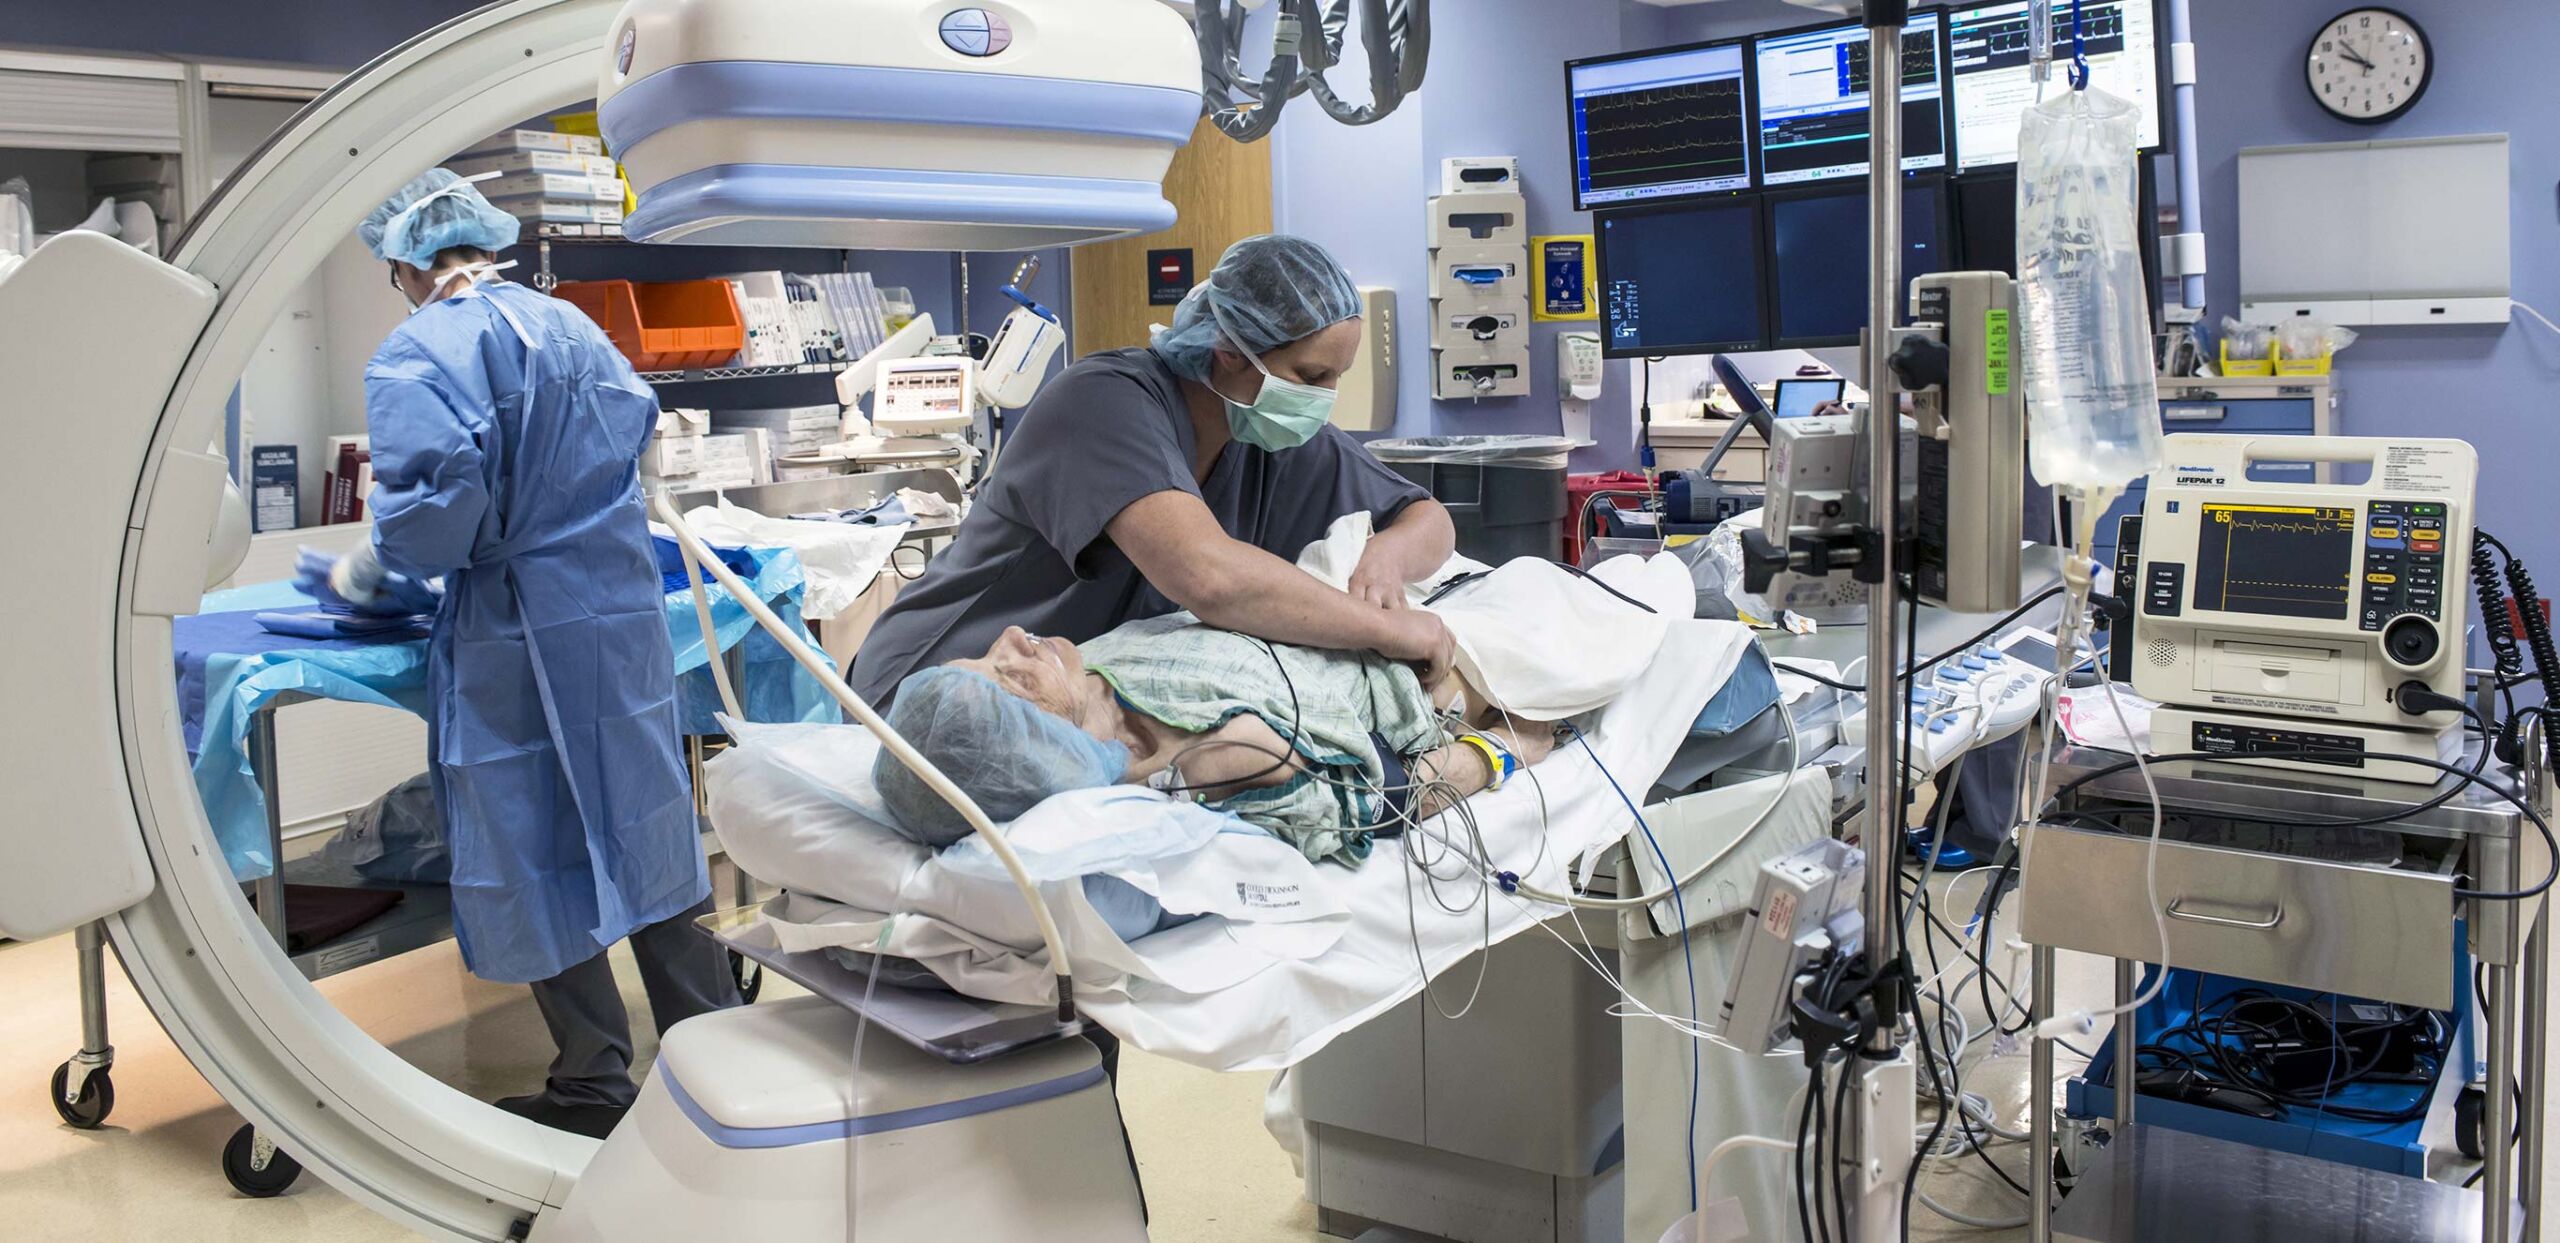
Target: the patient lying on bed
pixel 1323 748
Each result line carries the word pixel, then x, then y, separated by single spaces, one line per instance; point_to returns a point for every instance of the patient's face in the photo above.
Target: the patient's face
pixel 1048 671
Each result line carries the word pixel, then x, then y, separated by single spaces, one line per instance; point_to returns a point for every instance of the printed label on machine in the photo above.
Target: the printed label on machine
pixel 2418 468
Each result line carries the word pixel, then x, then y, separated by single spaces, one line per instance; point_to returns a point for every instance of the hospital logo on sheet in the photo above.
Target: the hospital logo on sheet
pixel 1268 897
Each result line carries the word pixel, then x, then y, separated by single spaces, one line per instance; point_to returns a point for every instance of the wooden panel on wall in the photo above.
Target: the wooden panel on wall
pixel 1222 188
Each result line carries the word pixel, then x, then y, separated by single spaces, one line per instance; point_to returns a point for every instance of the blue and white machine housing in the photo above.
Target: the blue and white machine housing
pixel 898 124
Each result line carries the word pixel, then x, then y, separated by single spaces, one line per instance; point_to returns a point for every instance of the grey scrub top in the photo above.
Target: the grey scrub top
pixel 1032 553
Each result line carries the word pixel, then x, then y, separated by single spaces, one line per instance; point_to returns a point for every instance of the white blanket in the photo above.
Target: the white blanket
pixel 1511 624
pixel 1291 955
pixel 839 561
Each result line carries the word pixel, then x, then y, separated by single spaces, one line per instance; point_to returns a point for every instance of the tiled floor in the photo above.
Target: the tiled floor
pixel 1212 1173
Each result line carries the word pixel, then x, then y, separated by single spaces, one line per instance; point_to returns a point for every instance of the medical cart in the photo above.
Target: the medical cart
pixel 2276 914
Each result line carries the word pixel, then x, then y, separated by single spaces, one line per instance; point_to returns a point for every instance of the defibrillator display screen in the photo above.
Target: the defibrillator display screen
pixel 2277 560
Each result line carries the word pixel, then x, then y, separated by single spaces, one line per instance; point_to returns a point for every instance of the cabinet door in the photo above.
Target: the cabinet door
pixel 1223 189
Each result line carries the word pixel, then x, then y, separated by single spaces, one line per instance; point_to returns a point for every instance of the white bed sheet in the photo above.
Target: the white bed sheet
pixel 1247 988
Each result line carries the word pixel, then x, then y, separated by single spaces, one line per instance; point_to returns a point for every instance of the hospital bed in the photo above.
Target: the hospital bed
pixel 1395 1101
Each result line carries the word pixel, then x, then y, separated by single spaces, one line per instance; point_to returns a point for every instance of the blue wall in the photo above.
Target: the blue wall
pixel 1496 88
pixel 2492 386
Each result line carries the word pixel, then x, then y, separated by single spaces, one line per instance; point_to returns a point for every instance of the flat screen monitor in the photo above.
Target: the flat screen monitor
pixel 1681 280
pixel 1811 87
pixel 1818 259
pixel 1659 125
pixel 1798 399
pixel 2277 560
pixel 1987 58
pixel 1986 221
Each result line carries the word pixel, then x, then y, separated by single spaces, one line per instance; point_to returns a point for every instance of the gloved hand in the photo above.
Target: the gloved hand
pixel 358 582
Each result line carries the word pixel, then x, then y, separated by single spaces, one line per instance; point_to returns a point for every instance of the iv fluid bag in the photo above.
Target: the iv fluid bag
pixel 2093 400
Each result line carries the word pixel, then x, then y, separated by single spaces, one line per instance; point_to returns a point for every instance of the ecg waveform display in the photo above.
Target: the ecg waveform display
pixel 1997 38
pixel 2276 560
pixel 1919 62
pixel 1987 54
pixel 1660 126
pixel 1679 133
pixel 1813 89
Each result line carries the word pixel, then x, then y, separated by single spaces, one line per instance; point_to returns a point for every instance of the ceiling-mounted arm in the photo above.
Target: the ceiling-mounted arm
pixel 1397 35
pixel 1249 114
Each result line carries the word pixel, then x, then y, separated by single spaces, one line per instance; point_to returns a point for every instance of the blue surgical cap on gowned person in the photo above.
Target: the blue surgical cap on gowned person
pixel 1003 750
pixel 459 218
pixel 1267 292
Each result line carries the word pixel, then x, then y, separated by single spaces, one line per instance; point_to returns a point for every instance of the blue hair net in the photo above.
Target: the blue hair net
pixel 456 217
pixel 1267 292
pixel 1005 751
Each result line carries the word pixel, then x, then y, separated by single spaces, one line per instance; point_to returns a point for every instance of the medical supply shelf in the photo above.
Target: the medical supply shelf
pixel 2257 912
pixel 699 374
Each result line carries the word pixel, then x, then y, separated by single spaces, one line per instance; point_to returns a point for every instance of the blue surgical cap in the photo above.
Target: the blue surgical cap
pixel 1003 750
pixel 459 218
pixel 1267 292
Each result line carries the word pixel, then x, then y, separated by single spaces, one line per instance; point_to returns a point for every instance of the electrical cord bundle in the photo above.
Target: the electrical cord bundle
pixel 2245 1040
pixel 1307 40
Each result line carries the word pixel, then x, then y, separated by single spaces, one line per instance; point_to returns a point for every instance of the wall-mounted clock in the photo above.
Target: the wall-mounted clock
pixel 2368 65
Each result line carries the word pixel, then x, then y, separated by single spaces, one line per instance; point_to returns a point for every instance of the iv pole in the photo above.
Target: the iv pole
pixel 1881 1073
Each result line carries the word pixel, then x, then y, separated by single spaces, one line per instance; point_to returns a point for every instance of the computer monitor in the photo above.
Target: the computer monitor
pixel 1818 259
pixel 1986 221
pixel 1681 280
pixel 1810 87
pixel 1799 398
pixel 1987 60
pixel 1661 124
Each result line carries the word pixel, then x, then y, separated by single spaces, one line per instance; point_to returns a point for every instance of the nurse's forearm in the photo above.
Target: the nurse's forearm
pixel 1419 541
pixel 1251 591
pixel 1180 548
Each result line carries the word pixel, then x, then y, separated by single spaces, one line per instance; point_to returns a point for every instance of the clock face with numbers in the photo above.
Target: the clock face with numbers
pixel 2368 65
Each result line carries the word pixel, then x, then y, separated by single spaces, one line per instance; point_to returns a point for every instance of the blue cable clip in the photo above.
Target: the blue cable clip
pixel 2079 50
pixel 1510 881
pixel 1030 305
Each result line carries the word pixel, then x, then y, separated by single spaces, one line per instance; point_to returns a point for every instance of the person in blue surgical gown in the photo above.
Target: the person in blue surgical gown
pixel 507 434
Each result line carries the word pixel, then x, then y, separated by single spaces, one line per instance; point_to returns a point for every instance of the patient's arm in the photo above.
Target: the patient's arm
pixel 1243 754
pixel 1456 771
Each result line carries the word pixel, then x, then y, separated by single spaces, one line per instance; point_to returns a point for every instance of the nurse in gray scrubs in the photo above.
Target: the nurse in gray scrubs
pixel 1187 475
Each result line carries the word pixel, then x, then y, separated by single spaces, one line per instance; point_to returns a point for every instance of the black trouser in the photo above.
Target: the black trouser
pixel 685 972
pixel 1109 1045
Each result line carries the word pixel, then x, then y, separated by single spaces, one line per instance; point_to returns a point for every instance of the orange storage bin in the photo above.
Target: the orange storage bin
pixel 668 326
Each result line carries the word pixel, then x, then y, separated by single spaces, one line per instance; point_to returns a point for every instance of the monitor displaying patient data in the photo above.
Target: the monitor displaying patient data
pixel 1681 280
pixel 2278 560
pixel 1987 51
pixel 1812 91
pixel 1659 125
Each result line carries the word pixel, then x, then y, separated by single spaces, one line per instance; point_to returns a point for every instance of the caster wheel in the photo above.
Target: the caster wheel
pixel 749 974
pixel 89 1110
pixel 253 1175
pixel 2467 1110
pixel 2063 1177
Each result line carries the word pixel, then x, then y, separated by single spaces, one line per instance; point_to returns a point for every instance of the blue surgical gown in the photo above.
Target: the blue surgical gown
pixel 513 473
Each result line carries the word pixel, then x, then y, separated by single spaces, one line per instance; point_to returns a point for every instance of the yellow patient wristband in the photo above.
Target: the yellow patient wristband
pixel 1498 762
